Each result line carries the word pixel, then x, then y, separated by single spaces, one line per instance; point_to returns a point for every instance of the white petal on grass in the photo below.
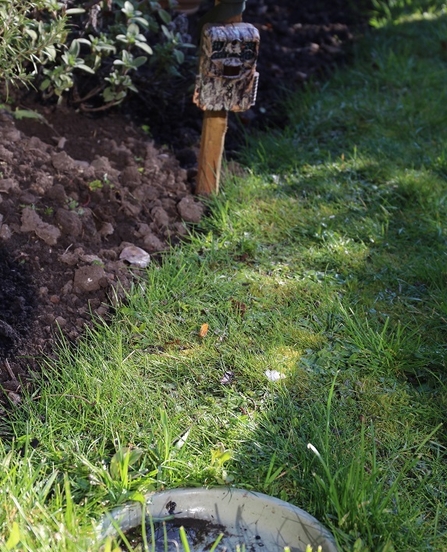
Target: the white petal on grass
pixel 182 440
pixel 274 375
pixel 313 449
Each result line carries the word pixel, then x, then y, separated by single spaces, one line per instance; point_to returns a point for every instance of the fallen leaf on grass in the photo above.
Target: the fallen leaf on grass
pixel 203 330
pixel 239 307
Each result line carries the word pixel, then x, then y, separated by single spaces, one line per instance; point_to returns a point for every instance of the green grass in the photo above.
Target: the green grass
pixel 325 263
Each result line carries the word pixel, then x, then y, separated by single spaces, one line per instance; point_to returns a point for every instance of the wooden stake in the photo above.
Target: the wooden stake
pixel 212 144
pixel 211 151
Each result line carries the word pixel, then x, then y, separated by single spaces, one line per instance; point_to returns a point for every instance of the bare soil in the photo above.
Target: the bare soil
pixel 79 193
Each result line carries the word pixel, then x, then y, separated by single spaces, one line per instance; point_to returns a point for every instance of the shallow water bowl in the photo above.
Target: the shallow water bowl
pixel 249 520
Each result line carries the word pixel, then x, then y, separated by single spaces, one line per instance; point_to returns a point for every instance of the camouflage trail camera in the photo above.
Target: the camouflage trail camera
pixel 227 79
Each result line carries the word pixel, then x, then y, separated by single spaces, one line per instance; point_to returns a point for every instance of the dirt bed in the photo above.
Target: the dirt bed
pixel 85 200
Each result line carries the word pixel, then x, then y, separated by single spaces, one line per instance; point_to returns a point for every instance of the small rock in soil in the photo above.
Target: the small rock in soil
pixel 135 256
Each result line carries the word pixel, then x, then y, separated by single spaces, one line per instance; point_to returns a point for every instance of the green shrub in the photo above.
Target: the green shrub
pixel 29 35
pixel 108 43
pixel 90 54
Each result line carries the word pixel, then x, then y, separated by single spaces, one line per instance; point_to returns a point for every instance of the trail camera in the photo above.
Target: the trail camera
pixel 227 78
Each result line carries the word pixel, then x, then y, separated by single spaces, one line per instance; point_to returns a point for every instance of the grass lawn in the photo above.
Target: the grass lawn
pixel 295 346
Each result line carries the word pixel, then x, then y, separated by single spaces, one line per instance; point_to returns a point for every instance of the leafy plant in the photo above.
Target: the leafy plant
pixel 111 44
pixel 98 184
pixel 90 55
pixel 30 34
pixel 219 456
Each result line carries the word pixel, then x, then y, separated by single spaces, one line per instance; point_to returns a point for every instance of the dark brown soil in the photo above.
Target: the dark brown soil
pixel 76 191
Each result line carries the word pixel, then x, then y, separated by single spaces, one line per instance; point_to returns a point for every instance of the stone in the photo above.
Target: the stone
pixel 135 256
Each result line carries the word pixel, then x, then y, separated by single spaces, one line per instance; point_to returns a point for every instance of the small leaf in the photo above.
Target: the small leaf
pixel 145 47
pixel 219 456
pixel 137 496
pixel 141 21
pixel 85 68
pixel 108 546
pixel 14 536
pixel 225 457
pixel 73 11
pixel 50 52
pixel 45 84
pixel 84 41
pixel 138 61
pixel 133 29
pixel 74 48
pixel 32 34
pixel 28 113
pixel 168 34
pixel 179 56
pixel 164 16
pixel 128 8
pixel 122 459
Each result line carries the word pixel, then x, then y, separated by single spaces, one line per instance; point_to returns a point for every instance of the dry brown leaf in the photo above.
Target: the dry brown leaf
pixel 239 307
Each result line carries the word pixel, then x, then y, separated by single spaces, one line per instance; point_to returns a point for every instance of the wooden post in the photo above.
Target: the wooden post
pixel 211 151
pixel 212 144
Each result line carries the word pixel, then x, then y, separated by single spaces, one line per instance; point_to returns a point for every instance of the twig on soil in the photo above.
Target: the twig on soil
pixel 10 372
